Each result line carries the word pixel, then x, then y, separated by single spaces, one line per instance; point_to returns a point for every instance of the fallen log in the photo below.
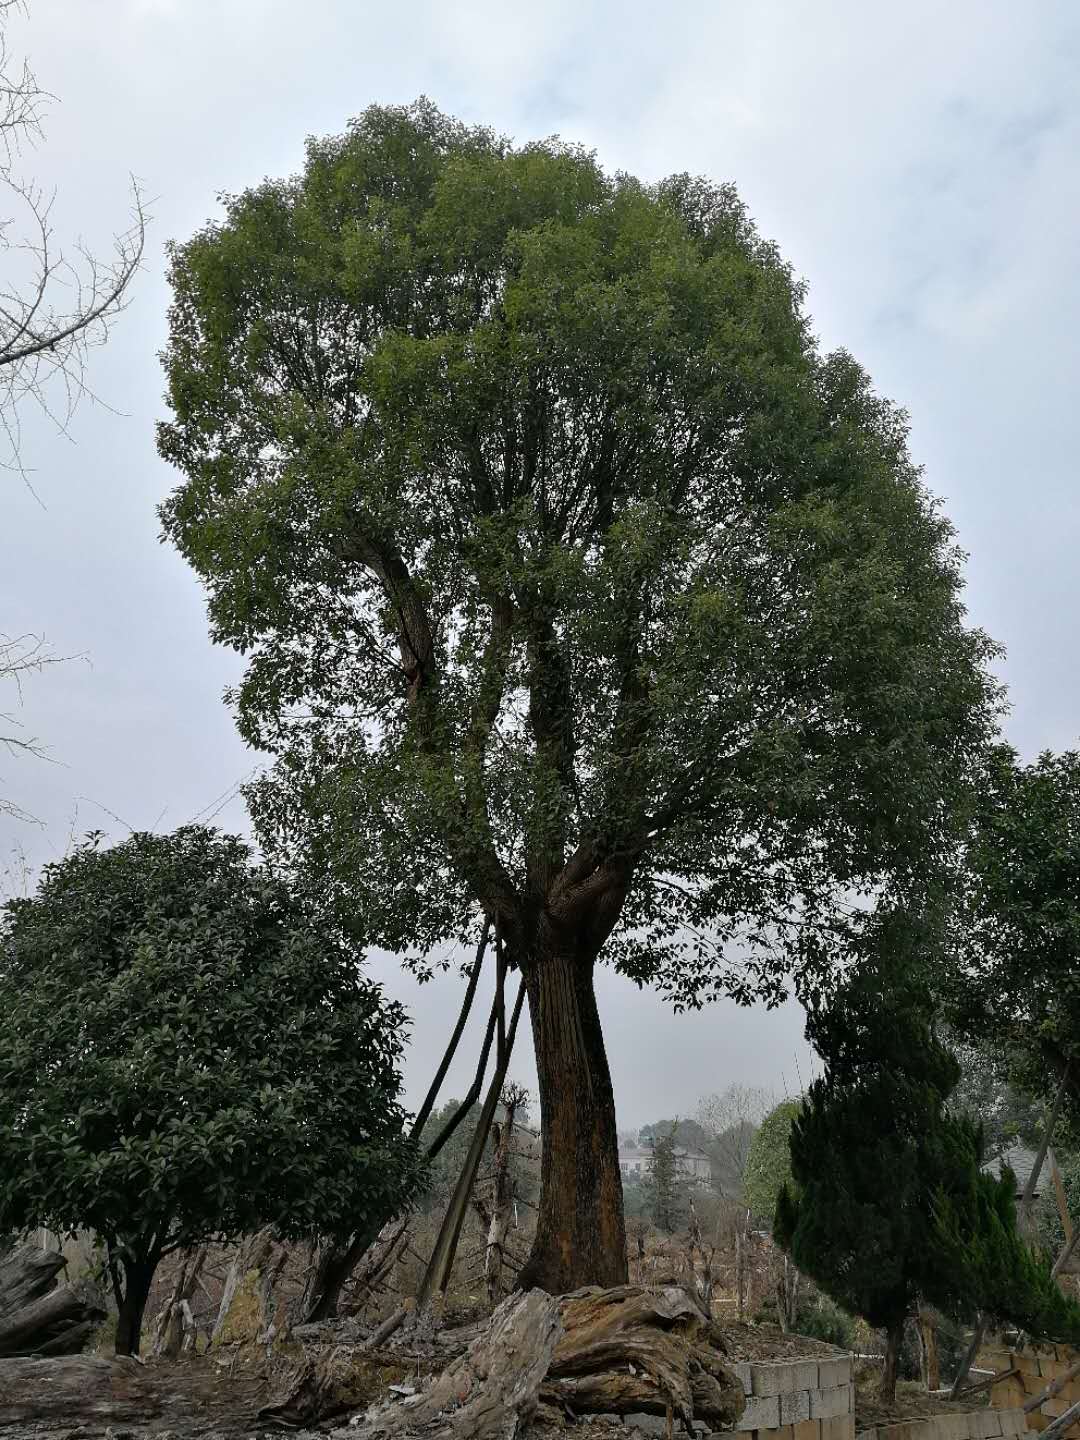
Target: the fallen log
pixel 76 1388
pixel 38 1316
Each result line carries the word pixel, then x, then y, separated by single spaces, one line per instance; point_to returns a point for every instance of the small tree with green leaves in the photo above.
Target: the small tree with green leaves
pixel 188 1052
pixel 768 1163
pixel 888 1202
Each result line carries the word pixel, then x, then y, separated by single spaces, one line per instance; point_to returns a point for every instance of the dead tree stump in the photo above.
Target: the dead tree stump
pixel 491 1392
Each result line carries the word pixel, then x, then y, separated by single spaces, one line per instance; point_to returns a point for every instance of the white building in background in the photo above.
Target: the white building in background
pixel 693 1164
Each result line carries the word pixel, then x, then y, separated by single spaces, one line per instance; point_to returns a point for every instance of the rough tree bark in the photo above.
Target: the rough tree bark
pixel 893 1340
pixel 38 1316
pixel 618 1351
pixel 244 1312
pixel 580 1228
pixel 131 1298
pixel 77 1388
pixel 928 1332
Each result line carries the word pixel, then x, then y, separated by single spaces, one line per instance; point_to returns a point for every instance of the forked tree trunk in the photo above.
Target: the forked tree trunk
pixel 580 1231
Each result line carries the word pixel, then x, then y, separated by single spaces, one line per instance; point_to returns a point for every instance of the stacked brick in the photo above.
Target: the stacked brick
pixel 969 1425
pixel 809 1399
pixel 1035 1370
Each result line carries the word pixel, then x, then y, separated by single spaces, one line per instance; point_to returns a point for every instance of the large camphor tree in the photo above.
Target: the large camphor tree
pixel 579 590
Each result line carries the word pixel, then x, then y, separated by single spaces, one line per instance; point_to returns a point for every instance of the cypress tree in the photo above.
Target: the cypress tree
pixel 888 1202
pixel 663 1193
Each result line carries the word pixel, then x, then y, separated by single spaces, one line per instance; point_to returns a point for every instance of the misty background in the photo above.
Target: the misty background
pixel 917 165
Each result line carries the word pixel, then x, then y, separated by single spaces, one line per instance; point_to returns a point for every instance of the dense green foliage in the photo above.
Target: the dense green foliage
pixel 889 1203
pixel 1019 935
pixel 187 1052
pixel 768 1165
pixel 664 1190
pixel 546 529
pixel 988 1092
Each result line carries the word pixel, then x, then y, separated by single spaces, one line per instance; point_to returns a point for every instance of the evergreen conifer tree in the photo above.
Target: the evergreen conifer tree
pixel 663 1192
pixel 888 1202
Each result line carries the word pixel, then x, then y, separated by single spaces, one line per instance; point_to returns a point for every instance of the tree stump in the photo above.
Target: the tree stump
pixel 628 1349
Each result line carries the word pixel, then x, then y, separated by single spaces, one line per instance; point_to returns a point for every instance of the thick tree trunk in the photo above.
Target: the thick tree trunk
pixel 138 1276
pixel 580 1232
pixel 894 1339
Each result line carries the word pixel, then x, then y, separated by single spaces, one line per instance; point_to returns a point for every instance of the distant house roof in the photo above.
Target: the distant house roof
pixel 1021 1161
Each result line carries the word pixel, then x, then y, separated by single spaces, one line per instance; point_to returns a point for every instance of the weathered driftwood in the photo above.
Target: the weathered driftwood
pixel 629 1349
pixel 190 1396
pixel 38 1316
pixel 491 1391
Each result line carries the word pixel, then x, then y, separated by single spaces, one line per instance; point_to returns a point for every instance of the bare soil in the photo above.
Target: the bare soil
pixel 912 1401
pixel 762 1343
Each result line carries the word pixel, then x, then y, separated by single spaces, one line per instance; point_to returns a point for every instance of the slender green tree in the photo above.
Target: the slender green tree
pixel 664 1189
pixel 579 591
pixel 768 1162
pixel 186 1053
pixel 888 1202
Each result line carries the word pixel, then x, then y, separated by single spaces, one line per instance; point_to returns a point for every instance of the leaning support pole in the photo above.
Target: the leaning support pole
pixel 969 1357
pixel 334 1267
pixel 437 1274
pixel 448 1054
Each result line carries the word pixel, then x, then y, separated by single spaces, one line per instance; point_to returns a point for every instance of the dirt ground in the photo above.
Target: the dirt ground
pixel 912 1401
pixel 768 1342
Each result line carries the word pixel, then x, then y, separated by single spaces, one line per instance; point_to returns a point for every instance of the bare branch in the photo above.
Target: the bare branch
pixel 55 304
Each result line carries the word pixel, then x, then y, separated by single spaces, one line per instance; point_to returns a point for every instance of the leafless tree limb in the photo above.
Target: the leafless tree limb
pixel 56 302
pixel 20 656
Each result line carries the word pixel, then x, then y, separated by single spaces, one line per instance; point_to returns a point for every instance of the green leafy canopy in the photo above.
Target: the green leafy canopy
pixel 186 1052
pixel 569 571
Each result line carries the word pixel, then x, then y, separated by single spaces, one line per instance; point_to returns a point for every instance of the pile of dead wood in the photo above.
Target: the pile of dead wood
pixel 39 1315
pixel 547 1359
pixel 620 1351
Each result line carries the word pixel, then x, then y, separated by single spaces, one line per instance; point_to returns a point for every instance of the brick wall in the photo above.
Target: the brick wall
pixel 1036 1370
pixel 972 1425
pixel 798 1399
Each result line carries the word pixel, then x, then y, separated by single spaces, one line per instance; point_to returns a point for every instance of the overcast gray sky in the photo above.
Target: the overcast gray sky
pixel 919 164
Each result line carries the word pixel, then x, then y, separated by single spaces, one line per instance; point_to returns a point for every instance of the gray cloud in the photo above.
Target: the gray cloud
pixel 917 165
